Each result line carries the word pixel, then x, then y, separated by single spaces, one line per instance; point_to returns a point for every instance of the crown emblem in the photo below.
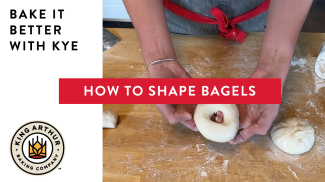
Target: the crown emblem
pixel 37 149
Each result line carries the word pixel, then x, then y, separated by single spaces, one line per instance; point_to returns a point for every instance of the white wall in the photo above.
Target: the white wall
pixel 114 10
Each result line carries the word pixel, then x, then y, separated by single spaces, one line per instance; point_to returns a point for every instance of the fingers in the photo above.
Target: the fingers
pixel 244 123
pixel 265 124
pixel 220 113
pixel 260 128
pixel 251 123
pixel 172 115
pixel 179 116
pixel 217 117
pixel 190 124
pixel 243 135
pixel 243 116
pixel 266 120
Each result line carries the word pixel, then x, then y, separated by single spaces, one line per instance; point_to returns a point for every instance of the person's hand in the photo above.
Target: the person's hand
pixel 274 62
pixel 255 118
pixel 174 113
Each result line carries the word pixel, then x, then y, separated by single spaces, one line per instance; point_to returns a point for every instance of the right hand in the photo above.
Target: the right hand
pixel 174 113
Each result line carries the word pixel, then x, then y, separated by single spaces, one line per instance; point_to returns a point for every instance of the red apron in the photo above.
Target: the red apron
pixel 227 27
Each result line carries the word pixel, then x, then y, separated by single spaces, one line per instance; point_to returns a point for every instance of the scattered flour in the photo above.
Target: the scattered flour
pixel 294 173
pixel 203 173
pixel 311 103
pixel 197 70
pixel 300 65
pixel 225 163
pixel 198 147
pixel 106 45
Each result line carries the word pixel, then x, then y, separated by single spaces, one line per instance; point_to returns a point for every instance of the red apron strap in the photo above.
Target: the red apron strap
pixel 227 27
pixel 188 14
pixel 252 13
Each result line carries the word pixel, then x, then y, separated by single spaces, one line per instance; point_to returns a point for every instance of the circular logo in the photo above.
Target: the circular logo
pixel 37 148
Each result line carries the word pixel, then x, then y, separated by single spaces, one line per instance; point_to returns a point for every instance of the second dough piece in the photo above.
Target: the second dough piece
pixel 110 119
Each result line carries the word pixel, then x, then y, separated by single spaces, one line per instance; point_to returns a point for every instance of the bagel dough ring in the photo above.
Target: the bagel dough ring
pixel 293 135
pixel 217 132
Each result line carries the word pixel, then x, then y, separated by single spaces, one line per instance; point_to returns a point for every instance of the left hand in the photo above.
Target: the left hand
pixel 255 118
pixel 174 113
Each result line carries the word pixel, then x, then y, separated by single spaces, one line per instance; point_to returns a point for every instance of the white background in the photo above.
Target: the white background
pixel 29 87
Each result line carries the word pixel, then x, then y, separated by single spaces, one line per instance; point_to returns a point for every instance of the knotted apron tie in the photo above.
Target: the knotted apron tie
pixel 226 26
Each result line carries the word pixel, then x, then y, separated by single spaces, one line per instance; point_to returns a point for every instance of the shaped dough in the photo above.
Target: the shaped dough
pixel 293 135
pixel 218 132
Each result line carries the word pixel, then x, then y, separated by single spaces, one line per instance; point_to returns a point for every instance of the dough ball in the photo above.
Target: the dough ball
pixel 218 132
pixel 293 135
pixel 109 119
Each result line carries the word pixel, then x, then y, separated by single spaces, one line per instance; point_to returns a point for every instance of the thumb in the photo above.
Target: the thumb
pixel 190 124
pixel 172 115
pixel 260 128
pixel 244 134
pixel 179 116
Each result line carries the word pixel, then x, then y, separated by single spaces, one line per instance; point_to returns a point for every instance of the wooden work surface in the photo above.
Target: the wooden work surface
pixel 145 147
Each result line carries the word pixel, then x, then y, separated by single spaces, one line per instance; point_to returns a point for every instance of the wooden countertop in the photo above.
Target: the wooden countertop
pixel 145 147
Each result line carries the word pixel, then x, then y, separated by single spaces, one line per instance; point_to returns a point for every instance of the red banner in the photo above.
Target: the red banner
pixel 170 91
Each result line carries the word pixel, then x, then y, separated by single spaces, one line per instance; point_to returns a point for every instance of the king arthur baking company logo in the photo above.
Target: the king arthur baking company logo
pixel 37 148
